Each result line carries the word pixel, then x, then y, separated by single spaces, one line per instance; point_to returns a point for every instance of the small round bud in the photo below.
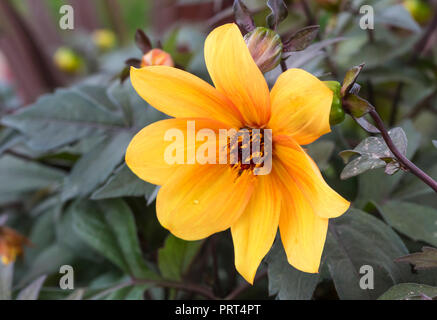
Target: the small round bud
pixel 265 46
pixel 337 114
pixel 104 39
pixel 157 57
pixel 67 60
pixel 419 10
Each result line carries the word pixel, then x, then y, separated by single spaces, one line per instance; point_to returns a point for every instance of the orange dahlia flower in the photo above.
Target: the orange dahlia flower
pixel 198 200
pixel 157 57
pixel 11 244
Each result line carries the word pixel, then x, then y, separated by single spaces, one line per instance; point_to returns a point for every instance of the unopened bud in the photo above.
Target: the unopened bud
pixel 265 46
pixel 420 10
pixel 337 114
pixel 67 60
pixel 104 39
pixel 157 57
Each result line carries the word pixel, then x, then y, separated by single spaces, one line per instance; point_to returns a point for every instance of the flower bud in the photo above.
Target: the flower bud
pixel 67 60
pixel 337 114
pixel 11 244
pixel 157 57
pixel 419 10
pixel 104 39
pixel 265 46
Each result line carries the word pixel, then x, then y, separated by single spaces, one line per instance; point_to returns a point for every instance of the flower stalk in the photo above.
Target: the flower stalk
pixel 403 160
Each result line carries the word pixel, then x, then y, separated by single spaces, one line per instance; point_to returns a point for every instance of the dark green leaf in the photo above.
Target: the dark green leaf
pixel 421 260
pixel 132 62
pixel 95 166
pixel 76 295
pixel 109 227
pixel 25 175
pixel 366 125
pixel 398 16
pixel 9 138
pixel 321 152
pixel 386 186
pixel 301 39
pixel 360 165
pixel 413 187
pixel 357 107
pixel 409 291
pixel 416 221
pixel 373 153
pixel 67 236
pixel 31 292
pixel 243 17
pixel 64 117
pixel 176 256
pixel 350 78
pixel 137 113
pixel 357 239
pixel 142 41
pixel 129 293
pixel 124 183
pixel 285 281
pixel 279 13
pixel 301 58
pixel 6 277
pixel 48 261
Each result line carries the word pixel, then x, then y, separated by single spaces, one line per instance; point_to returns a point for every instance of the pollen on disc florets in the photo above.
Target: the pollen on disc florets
pixel 247 149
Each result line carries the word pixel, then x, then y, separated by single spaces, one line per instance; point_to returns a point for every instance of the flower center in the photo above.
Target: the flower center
pixel 250 149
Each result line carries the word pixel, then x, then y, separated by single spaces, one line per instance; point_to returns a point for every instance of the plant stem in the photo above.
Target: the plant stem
pixel 395 106
pixel 311 20
pixel 422 44
pixel 213 248
pixel 206 292
pixel 308 13
pixel 111 290
pixel 203 291
pixel 403 160
pixel 234 294
pixel 283 66
pixel 419 50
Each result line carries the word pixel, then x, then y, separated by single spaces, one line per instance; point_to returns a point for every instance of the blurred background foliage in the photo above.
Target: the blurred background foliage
pixel 66 120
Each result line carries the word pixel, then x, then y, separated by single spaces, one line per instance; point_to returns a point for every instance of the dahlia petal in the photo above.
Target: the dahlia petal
pixel 182 95
pixel 301 105
pixel 236 75
pixel 326 202
pixel 200 200
pixel 303 233
pixel 145 155
pixel 254 232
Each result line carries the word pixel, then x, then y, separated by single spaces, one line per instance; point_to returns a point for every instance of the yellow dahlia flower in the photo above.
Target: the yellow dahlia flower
pixel 198 200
